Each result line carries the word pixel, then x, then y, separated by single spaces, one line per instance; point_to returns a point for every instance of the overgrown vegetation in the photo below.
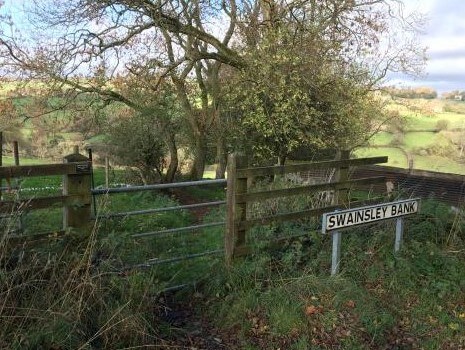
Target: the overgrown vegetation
pixel 95 290
pixel 286 299
pixel 77 292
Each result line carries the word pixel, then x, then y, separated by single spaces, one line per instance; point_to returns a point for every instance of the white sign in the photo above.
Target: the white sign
pixel 364 215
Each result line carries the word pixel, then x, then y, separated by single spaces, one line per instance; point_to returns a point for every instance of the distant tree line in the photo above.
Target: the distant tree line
pixel 410 92
pixel 454 95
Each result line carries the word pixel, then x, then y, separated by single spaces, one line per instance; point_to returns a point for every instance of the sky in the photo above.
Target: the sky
pixel 443 35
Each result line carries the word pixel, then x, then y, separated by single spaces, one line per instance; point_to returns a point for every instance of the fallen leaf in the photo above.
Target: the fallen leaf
pixel 350 304
pixel 312 310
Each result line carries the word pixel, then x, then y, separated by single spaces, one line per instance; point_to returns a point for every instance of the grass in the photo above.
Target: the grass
pixel 77 293
pixel 439 164
pixel 285 299
pixel 396 157
pixel 8 161
pixel 81 292
pixel 414 140
pixel 382 138
pixel 420 122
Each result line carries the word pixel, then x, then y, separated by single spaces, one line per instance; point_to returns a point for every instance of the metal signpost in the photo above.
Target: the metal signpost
pixel 339 220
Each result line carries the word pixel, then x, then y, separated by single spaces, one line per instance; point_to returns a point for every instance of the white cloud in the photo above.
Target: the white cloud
pixel 445 39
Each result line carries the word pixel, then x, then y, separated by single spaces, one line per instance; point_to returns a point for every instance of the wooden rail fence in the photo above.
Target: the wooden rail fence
pixel 239 194
pixel 76 198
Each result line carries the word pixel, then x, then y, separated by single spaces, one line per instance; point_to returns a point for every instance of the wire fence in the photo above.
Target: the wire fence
pixel 444 187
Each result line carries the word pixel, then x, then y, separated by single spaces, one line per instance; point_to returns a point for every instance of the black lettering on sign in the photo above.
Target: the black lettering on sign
pixel 331 221
pixel 411 207
pixel 341 218
pixel 367 214
pixel 359 217
pixel 350 219
pixel 384 211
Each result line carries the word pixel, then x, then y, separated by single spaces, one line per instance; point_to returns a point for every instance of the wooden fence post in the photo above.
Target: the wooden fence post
pixel 1 162
pixel 342 174
pixel 236 212
pixel 16 152
pixel 77 215
pixel 107 172
pixel 340 197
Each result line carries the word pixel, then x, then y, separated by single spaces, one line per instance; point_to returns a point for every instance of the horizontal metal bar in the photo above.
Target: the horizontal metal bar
pixel 159 210
pixel 9 188
pixel 157 186
pixel 179 229
pixel 155 261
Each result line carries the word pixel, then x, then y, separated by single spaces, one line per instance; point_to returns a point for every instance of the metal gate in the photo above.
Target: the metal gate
pixel 169 238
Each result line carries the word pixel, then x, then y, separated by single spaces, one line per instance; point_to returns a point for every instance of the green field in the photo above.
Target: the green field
pixel 8 160
pixel 396 157
pixel 419 139
pixel 433 140
pixel 382 138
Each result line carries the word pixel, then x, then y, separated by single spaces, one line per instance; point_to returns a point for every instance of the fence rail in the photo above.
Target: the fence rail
pixel 285 192
pixel 297 168
pixel 45 170
pixel 156 186
pixel 77 194
pixel 75 200
pixel 160 210
pixel 239 194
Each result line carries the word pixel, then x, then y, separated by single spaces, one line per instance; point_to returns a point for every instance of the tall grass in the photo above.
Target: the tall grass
pixel 64 295
pixel 286 299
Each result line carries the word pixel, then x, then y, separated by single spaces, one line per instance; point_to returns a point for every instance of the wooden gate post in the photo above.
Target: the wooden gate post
pixel 1 162
pixel 342 174
pixel 78 214
pixel 236 212
pixel 340 197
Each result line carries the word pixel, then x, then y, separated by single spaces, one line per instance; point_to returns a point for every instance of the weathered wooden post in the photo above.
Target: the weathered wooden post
pixel 17 184
pixel 77 213
pixel 341 197
pixel 107 172
pixel 1 162
pixel 16 152
pixel 236 212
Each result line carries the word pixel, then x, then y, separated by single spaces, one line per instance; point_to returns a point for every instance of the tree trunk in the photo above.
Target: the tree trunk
pixel 221 158
pixel 174 161
pixel 200 154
